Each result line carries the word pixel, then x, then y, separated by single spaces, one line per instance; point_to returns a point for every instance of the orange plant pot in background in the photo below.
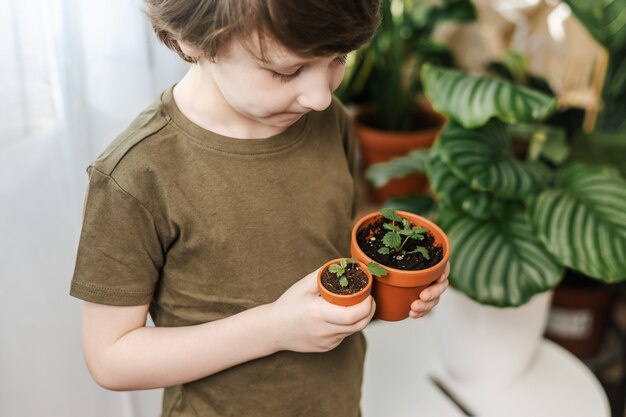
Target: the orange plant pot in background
pixel 380 146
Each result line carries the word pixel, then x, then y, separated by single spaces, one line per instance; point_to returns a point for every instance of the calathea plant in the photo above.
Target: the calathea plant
pixel 606 22
pixel 515 222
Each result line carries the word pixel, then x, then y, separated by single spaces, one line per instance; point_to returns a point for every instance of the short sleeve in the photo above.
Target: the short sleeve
pixel 119 253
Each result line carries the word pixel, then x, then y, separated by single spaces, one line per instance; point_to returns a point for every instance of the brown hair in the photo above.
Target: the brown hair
pixel 306 27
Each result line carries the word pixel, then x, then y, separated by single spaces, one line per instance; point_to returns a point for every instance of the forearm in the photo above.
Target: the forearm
pixel 151 357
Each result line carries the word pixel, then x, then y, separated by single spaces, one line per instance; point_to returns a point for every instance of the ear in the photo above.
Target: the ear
pixel 190 51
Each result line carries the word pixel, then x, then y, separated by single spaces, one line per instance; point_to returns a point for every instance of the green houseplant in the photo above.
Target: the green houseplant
pixel 515 222
pixel 578 295
pixel 382 83
pixel 606 23
pixel 520 222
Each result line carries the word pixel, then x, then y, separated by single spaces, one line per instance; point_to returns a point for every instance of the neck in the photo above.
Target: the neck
pixel 201 101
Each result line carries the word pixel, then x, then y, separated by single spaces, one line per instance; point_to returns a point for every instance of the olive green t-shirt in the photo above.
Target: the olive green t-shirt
pixel 203 226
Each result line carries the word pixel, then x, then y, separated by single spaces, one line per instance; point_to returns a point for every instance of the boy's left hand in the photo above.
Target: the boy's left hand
pixel 430 296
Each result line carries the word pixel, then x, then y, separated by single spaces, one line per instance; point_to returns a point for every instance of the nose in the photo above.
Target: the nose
pixel 316 92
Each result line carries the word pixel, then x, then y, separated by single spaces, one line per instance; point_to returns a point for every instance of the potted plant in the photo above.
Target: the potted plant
pixel 413 251
pixel 516 223
pixel 382 82
pixel 581 307
pixel 344 281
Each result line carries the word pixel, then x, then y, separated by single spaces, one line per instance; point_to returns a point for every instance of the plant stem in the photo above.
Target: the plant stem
pixel 401 246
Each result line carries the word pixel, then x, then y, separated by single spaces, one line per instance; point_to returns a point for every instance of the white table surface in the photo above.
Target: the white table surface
pixel 402 356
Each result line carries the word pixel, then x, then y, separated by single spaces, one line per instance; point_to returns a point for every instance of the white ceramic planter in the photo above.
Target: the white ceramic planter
pixel 488 346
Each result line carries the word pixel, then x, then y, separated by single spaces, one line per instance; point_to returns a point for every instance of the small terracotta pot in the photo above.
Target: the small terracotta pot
pixel 341 299
pixel 395 292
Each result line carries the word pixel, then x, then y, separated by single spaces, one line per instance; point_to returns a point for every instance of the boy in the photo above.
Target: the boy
pixel 208 210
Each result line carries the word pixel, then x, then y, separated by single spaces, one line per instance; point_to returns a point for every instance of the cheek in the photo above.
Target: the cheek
pixel 336 77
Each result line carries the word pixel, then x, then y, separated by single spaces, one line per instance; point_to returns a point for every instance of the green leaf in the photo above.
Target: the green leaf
pixel 483 159
pixel 458 10
pixel 546 141
pixel 452 191
pixel 336 269
pixel 604 19
pixel 343 263
pixel 343 281
pixel 497 262
pixel 391 227
pixel 390 214
pixel 351 260
pixel 392 240
pixel 583 221
pixel 376 269
pixel 423 251
pixel 413 163
pixel 601 148
pixel 472 100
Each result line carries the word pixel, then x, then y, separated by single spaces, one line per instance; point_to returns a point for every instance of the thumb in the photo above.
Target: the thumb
pixel 310 282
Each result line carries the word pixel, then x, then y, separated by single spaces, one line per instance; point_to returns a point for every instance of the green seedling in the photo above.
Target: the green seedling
pixel 376 269
pixel 398 234
pixel 340 270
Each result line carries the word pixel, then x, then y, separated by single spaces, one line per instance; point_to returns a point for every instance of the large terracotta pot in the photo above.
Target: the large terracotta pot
pixel 341 299
pixel 395 292
pixel 380 146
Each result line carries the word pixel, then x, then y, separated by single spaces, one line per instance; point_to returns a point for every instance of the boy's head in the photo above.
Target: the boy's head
pixel 305 27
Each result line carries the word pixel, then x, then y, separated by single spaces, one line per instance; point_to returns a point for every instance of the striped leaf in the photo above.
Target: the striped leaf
pixel 473 100
pixel 583 222
pixel 422 205
pixel 483 159
pixel 452 191
pixel 498 263
pixel 604 19
pixel 413 163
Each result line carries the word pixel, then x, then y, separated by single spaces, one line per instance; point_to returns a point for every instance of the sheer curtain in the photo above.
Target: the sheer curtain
pixel 73 74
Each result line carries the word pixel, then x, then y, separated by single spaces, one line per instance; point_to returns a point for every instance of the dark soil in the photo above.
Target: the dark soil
pixel 370 239
pixel 357 280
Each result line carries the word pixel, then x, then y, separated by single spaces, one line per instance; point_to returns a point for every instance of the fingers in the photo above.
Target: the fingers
pixel 436 288
pixel 351 315
pixel 344 331
pixel 445 274
pixel 421 308
pixel 429 298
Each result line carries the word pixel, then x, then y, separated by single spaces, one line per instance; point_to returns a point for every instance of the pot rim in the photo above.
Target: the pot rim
pixel 363 268
pixel 440 237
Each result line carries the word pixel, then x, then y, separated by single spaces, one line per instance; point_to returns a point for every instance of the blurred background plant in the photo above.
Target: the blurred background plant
pixel 385 73
pixel 527 176
pixel 507 175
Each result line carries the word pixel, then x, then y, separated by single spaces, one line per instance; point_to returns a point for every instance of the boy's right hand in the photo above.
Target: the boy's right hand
pixel 305 322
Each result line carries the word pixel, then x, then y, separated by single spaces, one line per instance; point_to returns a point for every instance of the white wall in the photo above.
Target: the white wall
pixel 95 65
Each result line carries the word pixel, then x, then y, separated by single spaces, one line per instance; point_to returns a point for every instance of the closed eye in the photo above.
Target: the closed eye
pixel 286 77
pixel 340 60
